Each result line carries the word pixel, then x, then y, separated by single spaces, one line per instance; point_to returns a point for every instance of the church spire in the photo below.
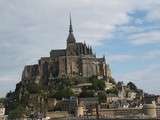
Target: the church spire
pixel 70 26
pixel 70 38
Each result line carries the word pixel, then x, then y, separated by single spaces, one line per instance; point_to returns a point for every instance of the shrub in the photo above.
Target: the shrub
pixel 16 113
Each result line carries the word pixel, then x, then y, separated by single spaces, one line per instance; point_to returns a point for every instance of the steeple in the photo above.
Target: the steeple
pixel 71 42
pixel 70 26
pixel 70 38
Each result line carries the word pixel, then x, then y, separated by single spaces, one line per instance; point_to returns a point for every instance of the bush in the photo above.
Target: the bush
pixel 2 100
pixel 16 113
pixel 86 93
pixel 34 88
pixel 98 84
pixel 64 93
pixel 102 97
pixel 112 91
pixel 132 86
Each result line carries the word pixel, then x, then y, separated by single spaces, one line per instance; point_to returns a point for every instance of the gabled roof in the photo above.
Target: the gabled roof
pixel 71 38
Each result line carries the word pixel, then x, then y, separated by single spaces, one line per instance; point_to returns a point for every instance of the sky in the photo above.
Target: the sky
pixel 127 32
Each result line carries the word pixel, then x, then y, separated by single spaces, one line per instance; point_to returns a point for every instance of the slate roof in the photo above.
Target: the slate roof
pixel 56 53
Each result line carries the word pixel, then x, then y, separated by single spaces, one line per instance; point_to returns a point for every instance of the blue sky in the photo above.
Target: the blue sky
pixel 126 31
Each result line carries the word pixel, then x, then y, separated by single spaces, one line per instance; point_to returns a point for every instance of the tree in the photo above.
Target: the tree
pixel 64 93
pixel 16 113
pixel 112 80
pixel 102 97
pixel 2 100
pixel 132 86
pixel 112 91
pixel 97 84
pixel 34 88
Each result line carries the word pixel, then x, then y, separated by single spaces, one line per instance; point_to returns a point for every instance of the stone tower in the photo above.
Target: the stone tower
pixel 71 42
pixel 71 53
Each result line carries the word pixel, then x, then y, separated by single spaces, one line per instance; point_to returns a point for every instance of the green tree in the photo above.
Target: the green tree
pixel 112 91
pixel 112 80
pixel 2 100
pixel 16 113
pixel 132 86
pixel 102 97
pixel 64 93
pixel 98 84
pixel 34 88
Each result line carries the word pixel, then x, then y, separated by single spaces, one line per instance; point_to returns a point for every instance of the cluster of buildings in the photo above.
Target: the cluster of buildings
pixel 91 108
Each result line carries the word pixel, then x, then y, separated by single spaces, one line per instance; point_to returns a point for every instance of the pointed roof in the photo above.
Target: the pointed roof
pixel 71 38
pixel 70 26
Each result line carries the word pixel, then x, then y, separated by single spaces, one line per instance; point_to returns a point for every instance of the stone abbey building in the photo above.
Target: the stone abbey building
pixel 76 60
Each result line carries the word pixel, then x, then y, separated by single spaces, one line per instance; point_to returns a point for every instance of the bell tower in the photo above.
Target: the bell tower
pixel 71 42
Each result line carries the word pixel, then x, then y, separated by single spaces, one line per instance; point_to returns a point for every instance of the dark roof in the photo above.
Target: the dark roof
pixel 71 38
pixel 56 53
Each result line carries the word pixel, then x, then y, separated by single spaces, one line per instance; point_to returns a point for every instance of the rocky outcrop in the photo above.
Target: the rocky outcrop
pixel 30 73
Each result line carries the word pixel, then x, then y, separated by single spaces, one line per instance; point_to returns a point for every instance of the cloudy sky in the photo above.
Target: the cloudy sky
pixel 126 31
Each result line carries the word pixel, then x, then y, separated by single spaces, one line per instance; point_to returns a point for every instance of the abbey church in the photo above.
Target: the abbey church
pixel 76 60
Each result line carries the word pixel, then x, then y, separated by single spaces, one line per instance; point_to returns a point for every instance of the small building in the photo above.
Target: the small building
pixel 132 95
pixel 69 105
pixel 158 99
pixel 2 112
pixel 90 101
pixel 111 97
pixel 109 85
pixel 158 111
pixel 148 99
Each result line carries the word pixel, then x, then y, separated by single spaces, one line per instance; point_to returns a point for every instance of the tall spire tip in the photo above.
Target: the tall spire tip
pixel 70 26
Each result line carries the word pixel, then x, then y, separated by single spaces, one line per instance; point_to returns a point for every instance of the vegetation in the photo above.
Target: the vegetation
pixel 97 84
pixel 63 93
pixel 2 100
pixel 112 91
pixel 34 88
pixel 16 113
pixel 60 88
pixel 132 86
pixel 102 97
pixel 112 80
pixel 87 93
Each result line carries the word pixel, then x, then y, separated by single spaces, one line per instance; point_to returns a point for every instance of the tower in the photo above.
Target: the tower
pixel 71 53
pixel 71 42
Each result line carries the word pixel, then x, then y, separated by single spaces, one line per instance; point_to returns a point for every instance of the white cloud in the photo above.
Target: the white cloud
pixel 125 57
pixel 120 58
pixel 154 54
pixel 153 14
pixel 150 37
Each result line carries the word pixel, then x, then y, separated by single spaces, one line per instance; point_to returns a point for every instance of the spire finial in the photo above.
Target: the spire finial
pixel 70 26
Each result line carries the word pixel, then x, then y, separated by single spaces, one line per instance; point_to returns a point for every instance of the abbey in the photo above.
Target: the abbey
pixel 76 60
